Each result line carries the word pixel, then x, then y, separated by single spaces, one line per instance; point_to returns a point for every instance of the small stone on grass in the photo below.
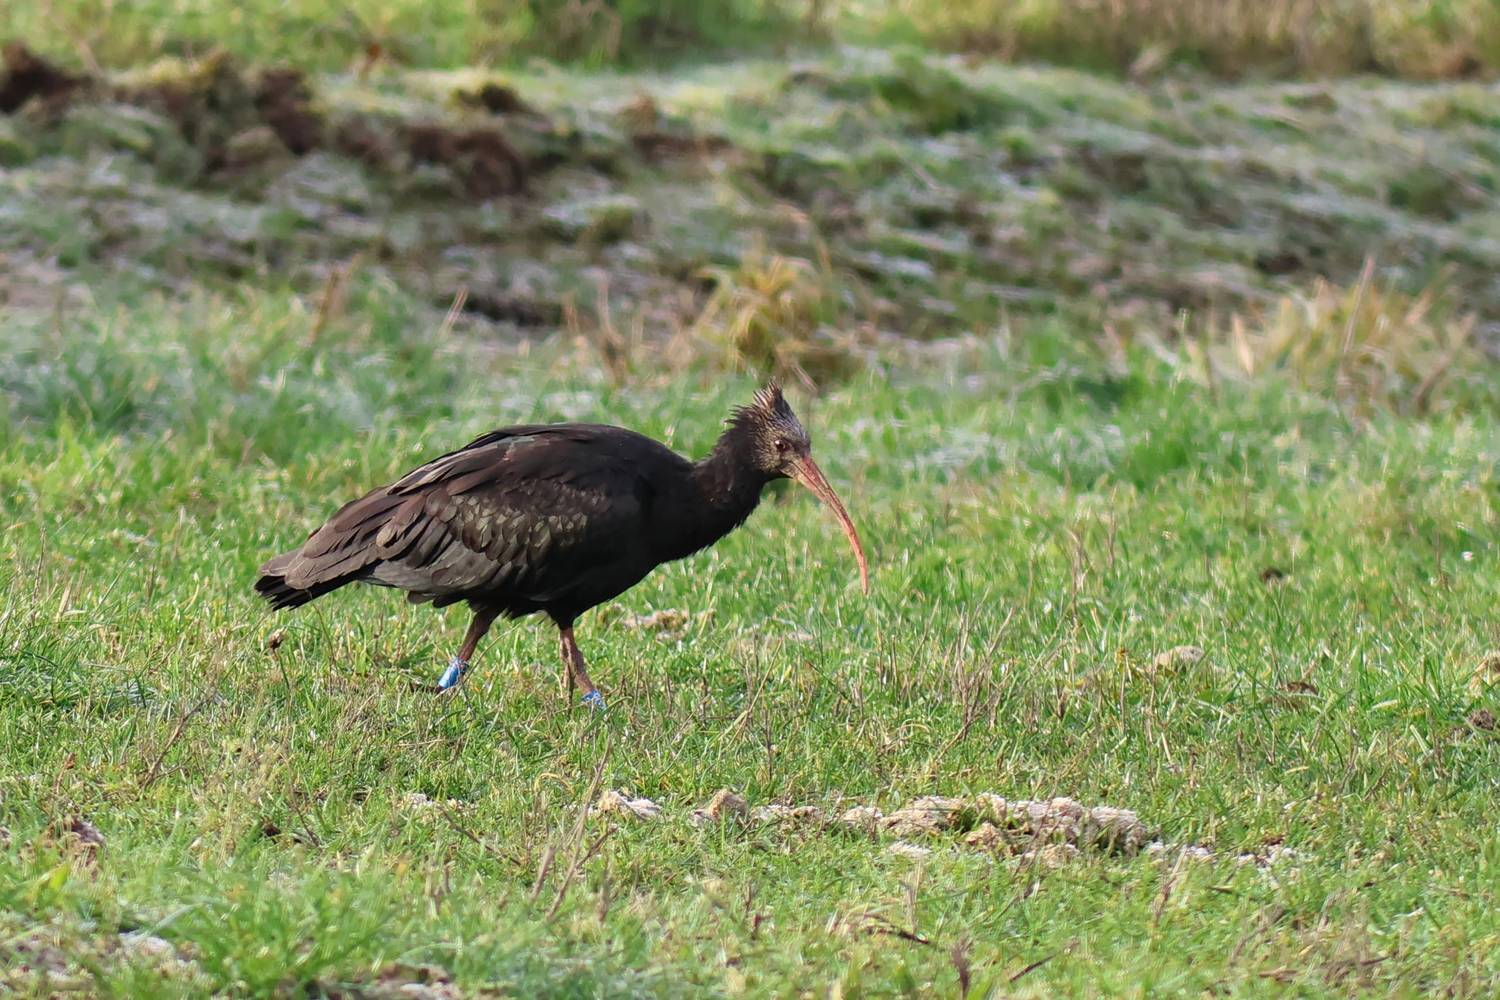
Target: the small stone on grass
pixel 1177 658
pixel 724 805
pixel 621 804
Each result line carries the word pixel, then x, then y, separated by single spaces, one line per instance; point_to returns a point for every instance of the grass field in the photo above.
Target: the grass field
pixel 1117 416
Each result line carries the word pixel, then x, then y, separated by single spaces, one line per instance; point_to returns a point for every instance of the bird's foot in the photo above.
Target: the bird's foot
pixel 453 674
pixel 594 700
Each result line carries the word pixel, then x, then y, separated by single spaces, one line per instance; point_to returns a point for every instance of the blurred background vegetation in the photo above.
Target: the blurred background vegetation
pixel 1420 39
pixel 800 187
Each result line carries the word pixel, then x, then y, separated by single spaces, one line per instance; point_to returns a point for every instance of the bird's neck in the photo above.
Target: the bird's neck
pixel 726 490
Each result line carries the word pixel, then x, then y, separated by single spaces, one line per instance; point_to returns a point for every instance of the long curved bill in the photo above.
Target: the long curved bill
pixel 806 472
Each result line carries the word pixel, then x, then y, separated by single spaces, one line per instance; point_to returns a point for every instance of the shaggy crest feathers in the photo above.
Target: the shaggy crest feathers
pixel 771 400
pixel 767 406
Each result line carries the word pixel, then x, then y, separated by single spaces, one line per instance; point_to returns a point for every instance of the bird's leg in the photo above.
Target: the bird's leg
pixel 460 663
pixel 566 645
pixel 574 671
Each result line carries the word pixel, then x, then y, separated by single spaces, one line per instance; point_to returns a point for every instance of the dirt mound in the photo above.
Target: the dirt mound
pixel 284 101
pixel 24 75
pixel 658 136
pixel 482 158
pixel 228 114
pixel 214 101
pixel 496 98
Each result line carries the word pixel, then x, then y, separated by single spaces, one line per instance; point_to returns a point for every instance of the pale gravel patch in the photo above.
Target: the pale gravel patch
pixel 928 814
pixel 1272 856
pixel 1177 658
pixel 865 819
pixel 420 803
pixel 667 624
pixel 1051 855
pixel 778 814
pixel 724 805
pixel 985 822
pixel 620 804
pixel 905 849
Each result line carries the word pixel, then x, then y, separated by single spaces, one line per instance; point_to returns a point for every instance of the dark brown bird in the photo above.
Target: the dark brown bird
pixel 555 518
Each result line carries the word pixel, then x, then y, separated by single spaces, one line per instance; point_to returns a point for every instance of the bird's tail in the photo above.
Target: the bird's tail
pixel 273 585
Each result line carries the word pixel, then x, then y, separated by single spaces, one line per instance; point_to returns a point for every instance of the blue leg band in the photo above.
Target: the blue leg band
pixel 594 700
pixel 453 674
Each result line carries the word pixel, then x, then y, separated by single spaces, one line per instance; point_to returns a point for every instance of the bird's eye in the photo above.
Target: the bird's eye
pixel 782 444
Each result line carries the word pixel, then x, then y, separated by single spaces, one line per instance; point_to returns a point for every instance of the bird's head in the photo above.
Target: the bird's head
pixel 776 443
pixel 770 435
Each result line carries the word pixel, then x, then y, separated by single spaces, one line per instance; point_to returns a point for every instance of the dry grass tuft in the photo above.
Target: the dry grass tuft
pixel 1411 38
pixel 1367 346
pixel 1486 675
pixel 777 315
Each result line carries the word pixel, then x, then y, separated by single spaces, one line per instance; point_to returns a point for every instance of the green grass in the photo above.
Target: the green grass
pixel 1042 521
pixel 1015 290
pixel 332 35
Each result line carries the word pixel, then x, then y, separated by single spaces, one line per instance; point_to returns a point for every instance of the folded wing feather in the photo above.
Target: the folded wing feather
pixel 522 511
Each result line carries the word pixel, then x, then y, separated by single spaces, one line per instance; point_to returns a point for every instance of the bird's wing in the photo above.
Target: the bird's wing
pixel 523 510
